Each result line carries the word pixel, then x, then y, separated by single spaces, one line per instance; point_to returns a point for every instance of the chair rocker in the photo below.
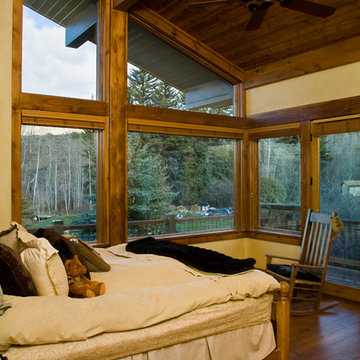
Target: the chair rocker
pixel 306 275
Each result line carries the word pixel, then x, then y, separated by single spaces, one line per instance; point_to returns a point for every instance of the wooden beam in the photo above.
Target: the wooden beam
pixel 118 128
pixel 16 112
pixel 337 54
pixel 124 5
pixel 186 43
pixel 138 112
pixel 63 104
pixel 327 109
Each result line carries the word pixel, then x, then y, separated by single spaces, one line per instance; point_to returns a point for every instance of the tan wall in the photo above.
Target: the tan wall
pixel 5 111
pixel 246 247
pixel 336 83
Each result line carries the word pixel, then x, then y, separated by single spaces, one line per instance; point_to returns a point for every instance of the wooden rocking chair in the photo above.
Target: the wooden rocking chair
pixel 307 274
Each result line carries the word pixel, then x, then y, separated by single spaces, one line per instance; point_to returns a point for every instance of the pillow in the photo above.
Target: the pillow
pixel 3 306
pixel 9 238
pixel 285 270
pixel 88 256
pixel 15 279
pixel 45 266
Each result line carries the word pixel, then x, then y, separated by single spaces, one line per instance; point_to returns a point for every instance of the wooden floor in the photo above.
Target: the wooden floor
pixel 333 335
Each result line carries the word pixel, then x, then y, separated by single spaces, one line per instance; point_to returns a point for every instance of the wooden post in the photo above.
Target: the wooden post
pixel 170 225
pixel 58 226
pixel 283 322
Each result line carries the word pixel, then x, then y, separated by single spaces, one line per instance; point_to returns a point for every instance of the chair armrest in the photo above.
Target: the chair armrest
pixel 269 258
pixel 310 267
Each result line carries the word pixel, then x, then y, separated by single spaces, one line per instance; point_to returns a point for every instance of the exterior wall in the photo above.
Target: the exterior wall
pixel 5 112
pixel 336 83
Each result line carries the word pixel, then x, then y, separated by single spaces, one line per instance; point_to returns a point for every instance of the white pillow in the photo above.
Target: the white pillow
pixel 44 264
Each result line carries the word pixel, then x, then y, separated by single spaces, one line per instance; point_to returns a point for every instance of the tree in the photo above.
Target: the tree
pixel 271 191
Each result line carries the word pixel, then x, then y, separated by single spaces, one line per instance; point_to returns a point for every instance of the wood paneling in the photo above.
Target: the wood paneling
pixel 186 43
pixel 284 34
pixel 124 5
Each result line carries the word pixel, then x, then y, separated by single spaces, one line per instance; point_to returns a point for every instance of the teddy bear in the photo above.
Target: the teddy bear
pixel 79 285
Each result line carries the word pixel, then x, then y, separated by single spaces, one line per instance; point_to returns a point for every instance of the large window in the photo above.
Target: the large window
pixel 279 179
pixel 340 192
pixel 59 48
pixel 162 76
pixel 59 179
pixel 179 184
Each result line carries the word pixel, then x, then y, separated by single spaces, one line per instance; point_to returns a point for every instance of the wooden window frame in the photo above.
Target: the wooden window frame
pixel 254 230
pixel 55 111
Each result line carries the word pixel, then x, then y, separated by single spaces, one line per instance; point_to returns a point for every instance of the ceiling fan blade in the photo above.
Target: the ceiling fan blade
pixel 211 2
pixel 257 16
pixel 308 7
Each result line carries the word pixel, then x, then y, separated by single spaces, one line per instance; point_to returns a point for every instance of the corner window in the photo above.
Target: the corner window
pixel 279 183
pixel 179 184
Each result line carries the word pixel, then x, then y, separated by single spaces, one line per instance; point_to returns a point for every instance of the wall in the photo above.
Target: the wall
pixel 5 112
pixel 336 83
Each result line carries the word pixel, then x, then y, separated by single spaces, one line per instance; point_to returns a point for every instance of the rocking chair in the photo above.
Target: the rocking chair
pixel 307 274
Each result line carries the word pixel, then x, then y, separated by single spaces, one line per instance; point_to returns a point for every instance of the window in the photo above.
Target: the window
pixel 59 48
pixel 279 179
pixel 162 76
pixel 340 192
pixel 59 179
pixel 179 184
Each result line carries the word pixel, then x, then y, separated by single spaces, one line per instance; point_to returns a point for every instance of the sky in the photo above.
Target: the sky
pixel 51 68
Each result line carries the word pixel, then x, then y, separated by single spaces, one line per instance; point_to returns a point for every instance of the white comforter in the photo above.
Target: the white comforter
pixel 141 290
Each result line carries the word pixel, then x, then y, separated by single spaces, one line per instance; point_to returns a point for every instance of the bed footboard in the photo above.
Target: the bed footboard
pixel 281 316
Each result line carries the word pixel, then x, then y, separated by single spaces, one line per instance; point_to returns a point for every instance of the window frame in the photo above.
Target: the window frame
pixel 56 111
pixel 255 135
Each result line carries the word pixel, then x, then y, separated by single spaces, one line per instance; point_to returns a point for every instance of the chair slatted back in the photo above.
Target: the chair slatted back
pixel 317 239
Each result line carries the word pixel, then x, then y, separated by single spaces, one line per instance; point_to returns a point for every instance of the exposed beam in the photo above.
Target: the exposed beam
pixel 186 43
pixel 124 5
pixel 336 54
pixel 327 109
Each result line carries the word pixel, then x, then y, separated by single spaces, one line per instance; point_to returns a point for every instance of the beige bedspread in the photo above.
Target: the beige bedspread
pixel 141 290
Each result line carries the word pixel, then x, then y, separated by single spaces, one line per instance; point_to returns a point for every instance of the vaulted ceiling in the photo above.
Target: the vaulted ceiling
pixel 287 40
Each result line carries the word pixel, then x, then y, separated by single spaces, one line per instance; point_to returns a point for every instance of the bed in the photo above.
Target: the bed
pixel 154 308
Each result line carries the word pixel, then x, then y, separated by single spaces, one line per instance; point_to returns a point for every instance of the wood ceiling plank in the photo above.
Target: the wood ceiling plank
pixel 124 5
pixel 186 43
pixel 306 63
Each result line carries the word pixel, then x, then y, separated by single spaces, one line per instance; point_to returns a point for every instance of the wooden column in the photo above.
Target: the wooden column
pixel 16 112
pixel 118 128
pixel 307 178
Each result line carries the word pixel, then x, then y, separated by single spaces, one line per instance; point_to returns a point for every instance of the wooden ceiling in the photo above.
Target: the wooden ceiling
pixel 286 39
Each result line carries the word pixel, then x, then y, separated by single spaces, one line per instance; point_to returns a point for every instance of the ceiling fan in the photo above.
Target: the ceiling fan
pixel 259 8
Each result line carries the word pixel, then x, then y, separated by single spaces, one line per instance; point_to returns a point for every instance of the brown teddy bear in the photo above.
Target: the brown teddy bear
pixel 79 285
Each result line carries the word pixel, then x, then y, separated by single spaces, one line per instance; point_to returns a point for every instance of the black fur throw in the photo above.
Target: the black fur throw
pixel 201 259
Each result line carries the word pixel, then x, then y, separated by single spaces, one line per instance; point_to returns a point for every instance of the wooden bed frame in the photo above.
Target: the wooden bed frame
pixel 281 318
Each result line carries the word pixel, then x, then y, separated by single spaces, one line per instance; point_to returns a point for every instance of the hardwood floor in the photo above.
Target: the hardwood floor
pixel 333 335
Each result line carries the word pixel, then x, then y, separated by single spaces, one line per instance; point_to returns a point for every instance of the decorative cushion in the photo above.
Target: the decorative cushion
pixel 45 266
pixel 88 255
pixel 285 270
pixel 65 247
pixel 15 279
